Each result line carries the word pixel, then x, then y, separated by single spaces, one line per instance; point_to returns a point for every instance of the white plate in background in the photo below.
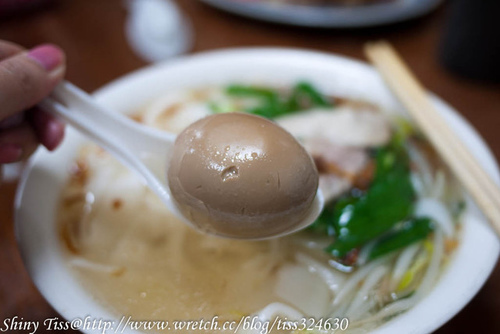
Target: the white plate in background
pixel 329 16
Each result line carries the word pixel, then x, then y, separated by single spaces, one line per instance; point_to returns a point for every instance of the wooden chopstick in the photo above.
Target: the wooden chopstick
pixel 455 154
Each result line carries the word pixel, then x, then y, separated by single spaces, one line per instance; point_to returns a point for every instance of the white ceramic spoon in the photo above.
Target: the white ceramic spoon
pixel 142 149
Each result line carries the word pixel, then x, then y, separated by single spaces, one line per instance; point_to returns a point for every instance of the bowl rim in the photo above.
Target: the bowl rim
pixel 444 305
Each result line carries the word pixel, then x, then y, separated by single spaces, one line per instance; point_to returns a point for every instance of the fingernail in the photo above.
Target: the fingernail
pixel 54 134
pixel 50 130
pixel 48 56
pixel 10 153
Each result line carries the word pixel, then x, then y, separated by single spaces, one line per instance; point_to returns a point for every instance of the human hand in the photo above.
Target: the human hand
pixel 26 77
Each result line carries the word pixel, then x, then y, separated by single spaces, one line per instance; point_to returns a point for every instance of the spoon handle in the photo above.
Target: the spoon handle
pixel 76 108
pixel 82 110
pixel 117 134
pixel 94 131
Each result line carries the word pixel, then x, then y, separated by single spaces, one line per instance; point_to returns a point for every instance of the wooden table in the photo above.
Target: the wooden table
pixel 92 33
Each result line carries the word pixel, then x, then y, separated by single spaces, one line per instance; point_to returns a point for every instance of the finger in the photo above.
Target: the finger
pixel 17 143
pixel 10 153
pixel 12 121
pixel 8 49
pixel 49 130
pixel 26 78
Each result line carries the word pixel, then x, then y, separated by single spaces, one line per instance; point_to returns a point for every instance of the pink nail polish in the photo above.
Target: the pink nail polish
pixel 10 153
pixel 48 56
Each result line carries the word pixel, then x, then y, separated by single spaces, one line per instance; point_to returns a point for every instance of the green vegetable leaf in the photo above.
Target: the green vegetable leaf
pixel 408 233
pixel 324 224
pixel 305 96
pixel 273 103
pixel 389 200
pixel 251 91
pixel 269 100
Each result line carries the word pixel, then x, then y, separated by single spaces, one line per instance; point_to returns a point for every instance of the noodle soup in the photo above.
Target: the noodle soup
pixel 390 225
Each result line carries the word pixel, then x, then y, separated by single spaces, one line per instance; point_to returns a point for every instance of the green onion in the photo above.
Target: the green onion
pixel 358 219
pixel 408 233
pixel 271 103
